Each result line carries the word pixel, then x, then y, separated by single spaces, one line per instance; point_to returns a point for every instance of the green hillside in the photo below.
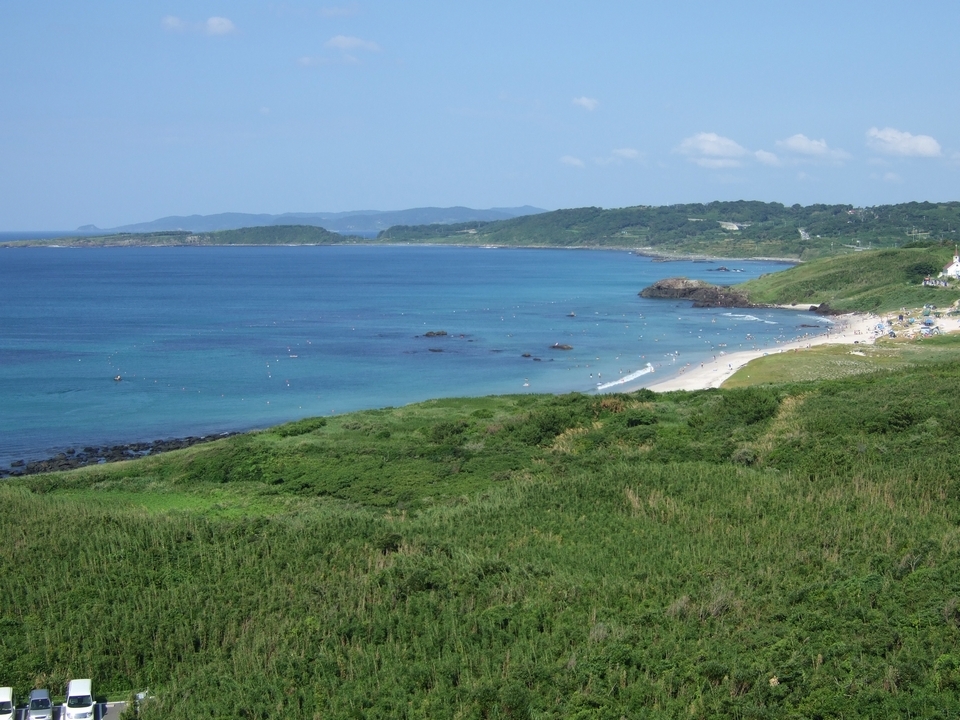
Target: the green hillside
pixel 721 229
pixel 782 551
pixel 872 281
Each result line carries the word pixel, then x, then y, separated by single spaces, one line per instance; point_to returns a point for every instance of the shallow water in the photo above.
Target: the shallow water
pixel 214 339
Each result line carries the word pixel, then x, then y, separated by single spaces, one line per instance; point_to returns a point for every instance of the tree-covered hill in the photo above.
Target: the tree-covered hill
pixel 777 551
pixel 724 229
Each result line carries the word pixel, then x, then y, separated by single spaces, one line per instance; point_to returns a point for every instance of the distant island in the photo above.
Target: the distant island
pixel 742 229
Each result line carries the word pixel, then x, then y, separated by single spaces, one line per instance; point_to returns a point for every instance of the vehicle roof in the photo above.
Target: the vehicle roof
pixel 78 687
pixel 39 694
pixel 6 694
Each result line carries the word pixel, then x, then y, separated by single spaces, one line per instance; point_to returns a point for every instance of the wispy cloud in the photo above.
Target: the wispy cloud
pixel 219 26
pixel 211 26
pixel 800 146
pixel 627 153
pixel 590 104
pixel 340 10
pixel 896 142
pixel 173 24
pixel 890 177
pixel 710 150
pixel 767 158
pixel 347 43
pixel 572 161
pixel 620 156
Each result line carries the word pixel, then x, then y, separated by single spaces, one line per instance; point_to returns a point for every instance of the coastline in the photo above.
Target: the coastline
pixel 848 329
pixel 650 252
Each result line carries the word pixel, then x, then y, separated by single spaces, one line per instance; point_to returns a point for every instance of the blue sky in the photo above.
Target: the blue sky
pixel 115 112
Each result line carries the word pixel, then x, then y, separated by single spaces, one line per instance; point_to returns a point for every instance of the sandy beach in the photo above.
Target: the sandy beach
pixel 846 330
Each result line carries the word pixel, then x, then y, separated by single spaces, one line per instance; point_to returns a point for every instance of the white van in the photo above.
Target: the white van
pixel 7 705
pixel 80 704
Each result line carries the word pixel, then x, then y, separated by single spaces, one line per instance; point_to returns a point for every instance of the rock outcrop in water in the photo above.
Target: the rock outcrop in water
pixel 703 294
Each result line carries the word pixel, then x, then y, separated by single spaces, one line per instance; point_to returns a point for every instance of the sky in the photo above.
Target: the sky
pixel 116 112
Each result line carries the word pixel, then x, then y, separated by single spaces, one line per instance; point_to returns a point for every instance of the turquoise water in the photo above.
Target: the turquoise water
pixel 209 340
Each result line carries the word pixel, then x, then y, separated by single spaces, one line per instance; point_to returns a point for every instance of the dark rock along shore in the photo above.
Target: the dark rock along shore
pixel 704 294
pixel 73 458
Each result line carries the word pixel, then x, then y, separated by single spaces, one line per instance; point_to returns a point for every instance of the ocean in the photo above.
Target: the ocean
pixel 216 339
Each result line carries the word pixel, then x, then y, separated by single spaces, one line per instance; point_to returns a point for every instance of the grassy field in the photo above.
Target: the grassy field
pixel 787 551
pixel 831 362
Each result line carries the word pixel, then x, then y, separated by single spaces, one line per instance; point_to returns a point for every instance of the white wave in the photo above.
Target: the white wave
pixel 627 378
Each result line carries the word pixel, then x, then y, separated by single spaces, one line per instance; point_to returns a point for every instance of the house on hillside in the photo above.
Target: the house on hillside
pixel 953 269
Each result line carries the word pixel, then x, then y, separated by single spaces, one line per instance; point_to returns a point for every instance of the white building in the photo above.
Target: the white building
pixel 953 269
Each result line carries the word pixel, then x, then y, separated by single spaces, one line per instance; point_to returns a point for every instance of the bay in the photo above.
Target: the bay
pixel 216 339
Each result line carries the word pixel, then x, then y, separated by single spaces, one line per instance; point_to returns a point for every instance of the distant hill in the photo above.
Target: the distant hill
pixel 365 223
pixel 719 229
pixel 266 235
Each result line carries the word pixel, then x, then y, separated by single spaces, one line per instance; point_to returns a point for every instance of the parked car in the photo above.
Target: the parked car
pixel 80 704
pixel 7 706
pixel 40 707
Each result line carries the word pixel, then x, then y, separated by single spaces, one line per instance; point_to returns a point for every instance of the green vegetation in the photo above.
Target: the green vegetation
pixel 719 229
pixel 266 235
pixel 831 362
pixel 788 551
pixel 876 281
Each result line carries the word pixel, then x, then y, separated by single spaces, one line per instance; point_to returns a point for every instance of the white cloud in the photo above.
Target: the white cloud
pixel 346 42
pixel 173 23
pixel 572 161
pixel 339 11
pixel 587 103
pixel 767 158
pixel 218 26
pixel 710 150
pixel 212 26
pixel 619 156
pixel 895 142
pixel 889 176
pixel 264 110
pixel 801 145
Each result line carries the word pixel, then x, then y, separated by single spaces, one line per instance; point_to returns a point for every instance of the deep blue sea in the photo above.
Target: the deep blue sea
pixel 215 339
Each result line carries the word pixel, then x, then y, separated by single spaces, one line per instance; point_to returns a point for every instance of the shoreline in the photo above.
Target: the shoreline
pixel 71 458
pixel 849 329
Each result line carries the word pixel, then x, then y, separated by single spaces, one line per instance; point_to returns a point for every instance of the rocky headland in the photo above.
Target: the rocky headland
pixel 704 294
